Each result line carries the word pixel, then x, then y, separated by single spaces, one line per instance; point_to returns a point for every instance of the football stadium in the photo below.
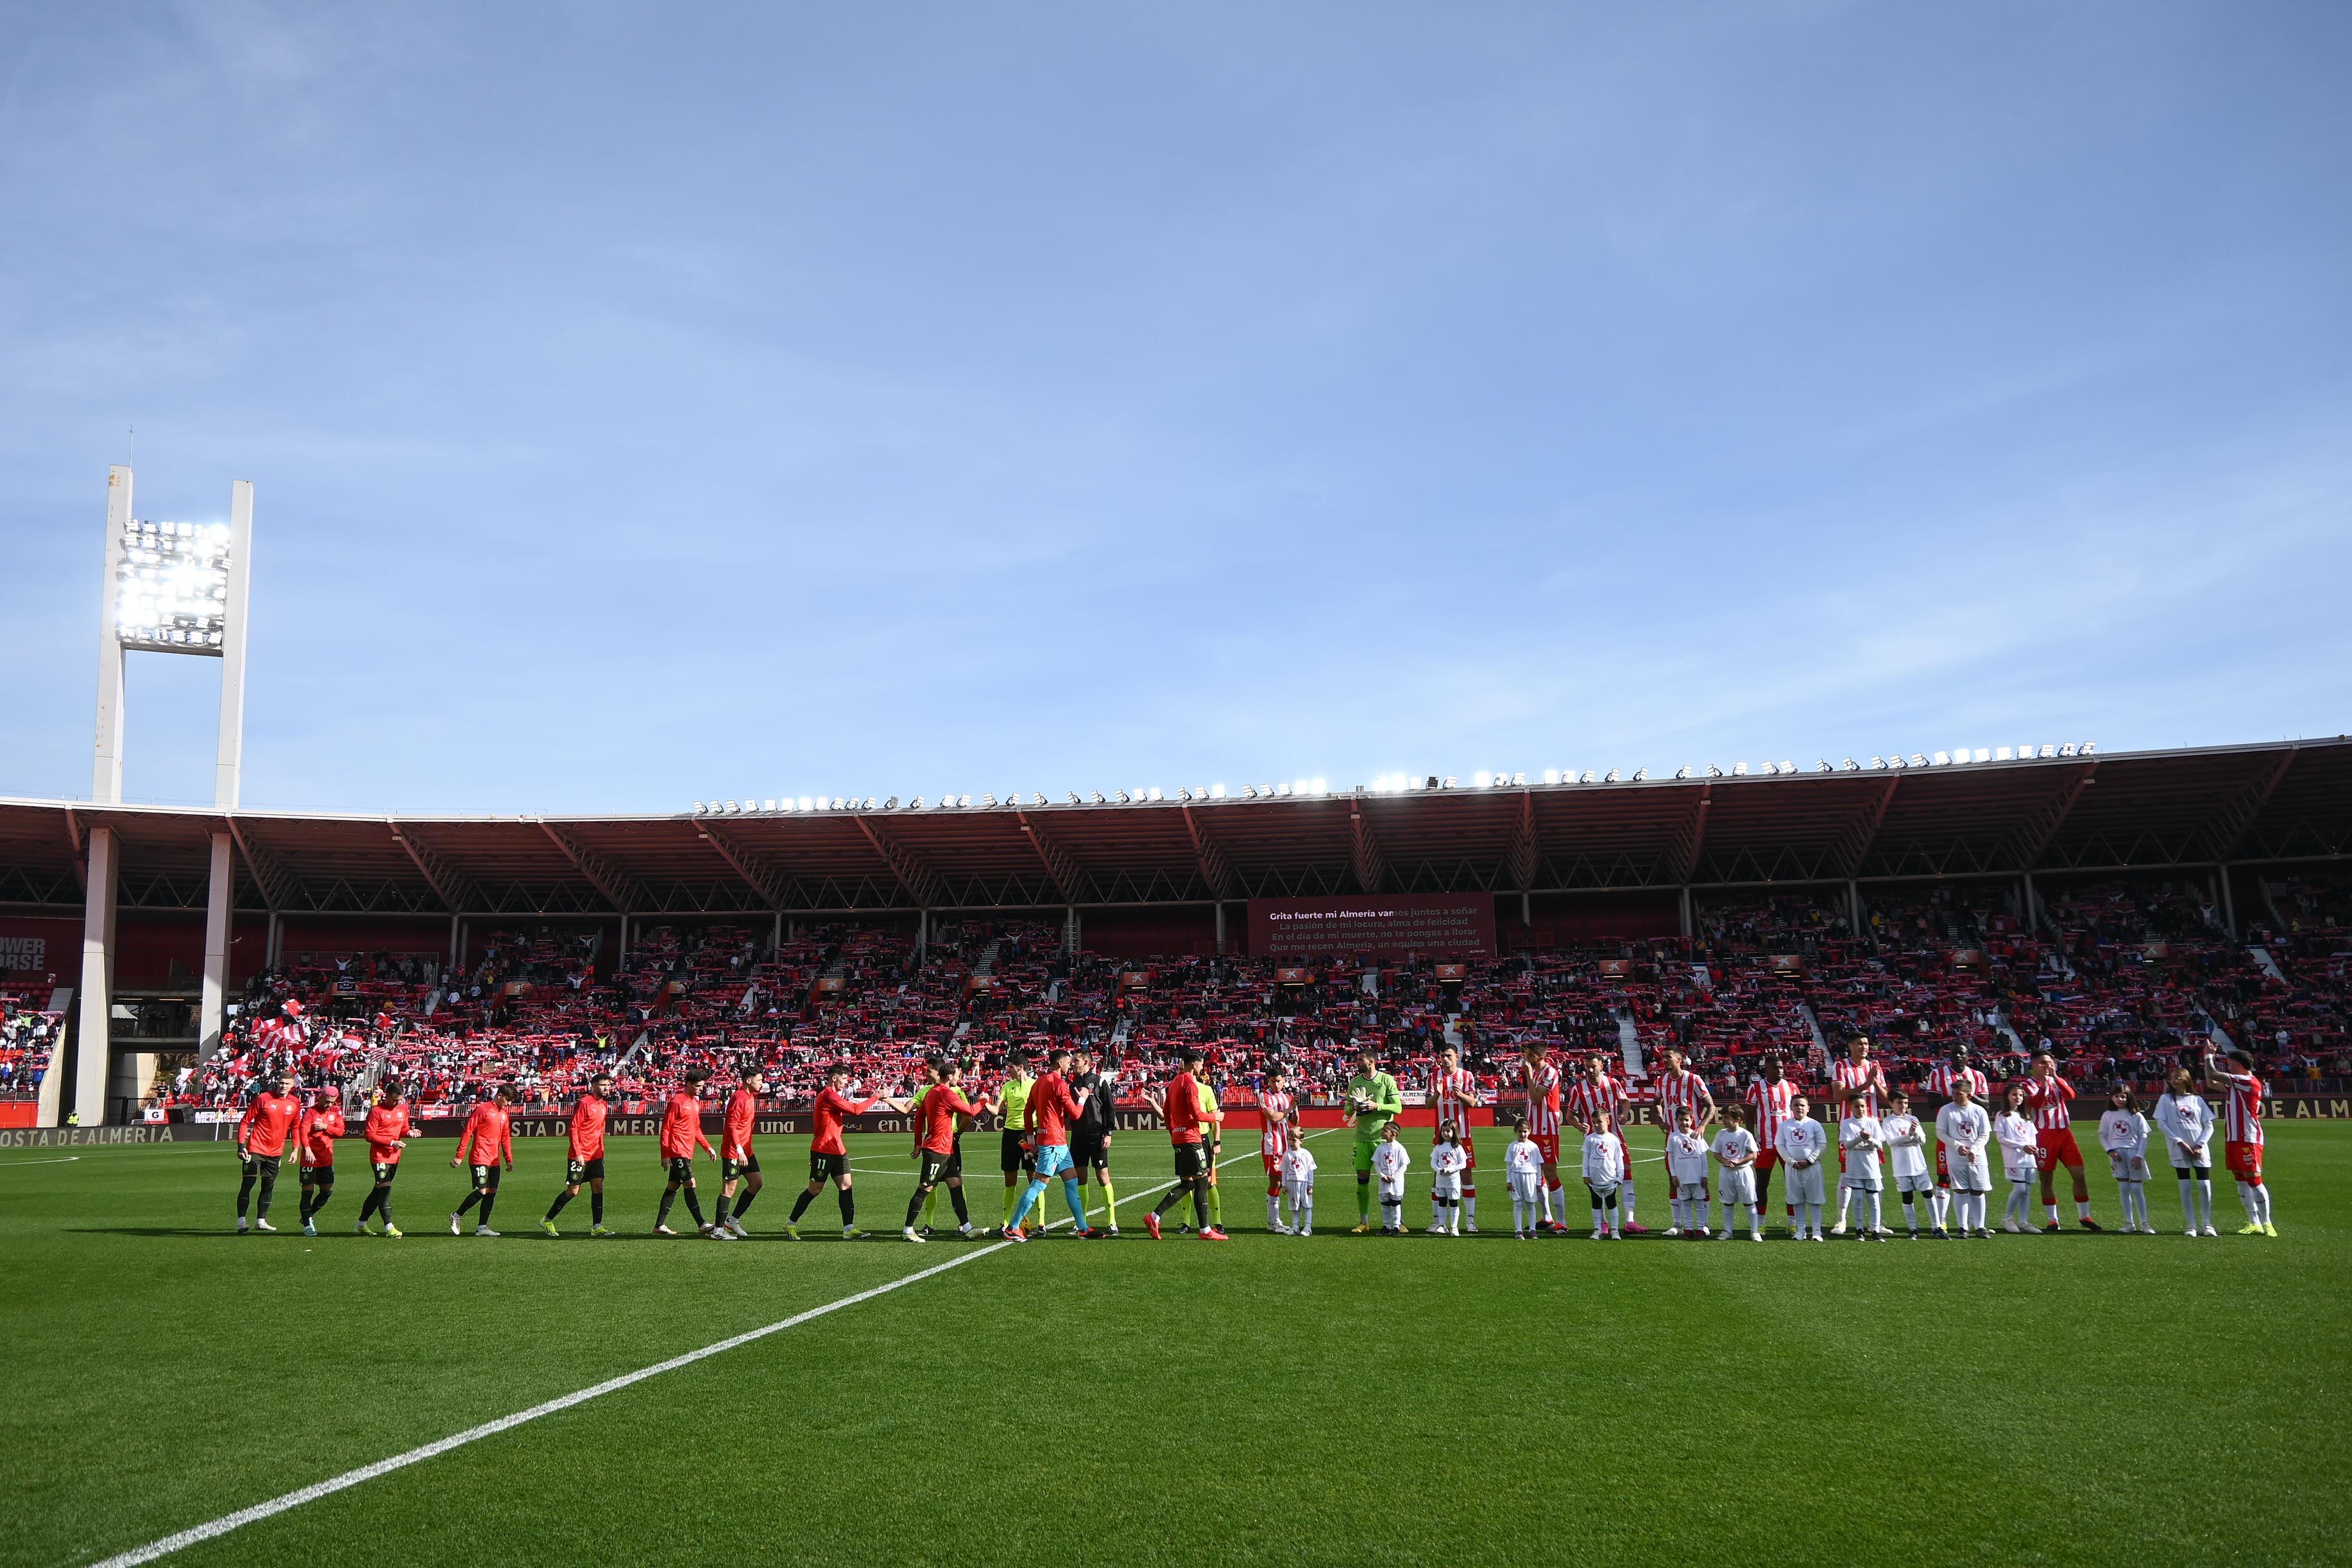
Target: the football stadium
pixel 1911 1153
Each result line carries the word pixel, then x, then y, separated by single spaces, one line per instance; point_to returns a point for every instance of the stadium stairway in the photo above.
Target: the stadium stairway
pixel 2266 964
pixel 1629 1044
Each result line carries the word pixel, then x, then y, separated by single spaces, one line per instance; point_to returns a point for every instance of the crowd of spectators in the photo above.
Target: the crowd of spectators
pixel 2117 979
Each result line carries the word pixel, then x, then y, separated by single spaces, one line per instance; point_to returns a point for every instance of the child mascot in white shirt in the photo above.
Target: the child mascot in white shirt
pixel 1860 1137
pixel 2021 1156
pixel 1734 1153
pixel 1523 1170
pixel 2187 1123
pixel 1965 1128
pixel 1390 1161
pixel 1801 1143
pixel 1604 1173
pixel 1299 1187
pixel 1687 1157
pixel 1447 1161
pixel 1906 1162
pixel 2122 1133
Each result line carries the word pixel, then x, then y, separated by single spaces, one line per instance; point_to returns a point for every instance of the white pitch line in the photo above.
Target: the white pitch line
pixel 350 1478
pixel 219 1527
pixel 68 1160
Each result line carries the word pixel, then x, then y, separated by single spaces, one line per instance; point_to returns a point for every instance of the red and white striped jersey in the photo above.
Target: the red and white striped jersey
pixel 2242 1114
pixel 1772 1104
pixel 1451 1095
pixel 280 1034
pixel 1866 1076
pixel 1540 1086
pixel 1588 1097
pixel 1277 1109
pixel 1684 1090
pixel 2045 1102
pixel 1943 1076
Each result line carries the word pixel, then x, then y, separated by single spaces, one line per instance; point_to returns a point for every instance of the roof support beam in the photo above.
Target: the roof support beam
pixel 1857 839
pixel 276 886
pixel 1059 866
pixel 1216 869
pixel 2236 815
pixel 621 891
pixel 923 883
pixel 1527 850
pixel 452 887
pixel 2024 847
pixel 1691 837
pixel 761 877
pixel 1371 870
pixel 81 855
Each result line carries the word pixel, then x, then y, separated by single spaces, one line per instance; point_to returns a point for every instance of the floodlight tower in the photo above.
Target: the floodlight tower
pixel 169 587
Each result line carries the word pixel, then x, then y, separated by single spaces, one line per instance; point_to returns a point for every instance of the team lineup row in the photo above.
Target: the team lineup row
pixel 1059 1125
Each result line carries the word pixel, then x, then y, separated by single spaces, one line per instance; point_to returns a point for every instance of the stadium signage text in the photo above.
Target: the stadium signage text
pixel 23 953
pixel 1431 925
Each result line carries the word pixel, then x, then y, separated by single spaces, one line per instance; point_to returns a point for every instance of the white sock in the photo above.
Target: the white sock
pixel 2187 1201
pixel 2262 1203
pixel 1543 1196
pixel 1470 1207
pixel 2205 1202
pixel 1845 1204
pixel 1874 1210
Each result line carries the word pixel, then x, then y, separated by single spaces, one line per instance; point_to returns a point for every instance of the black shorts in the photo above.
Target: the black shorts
pixel 748 1166
pixel 317 1176
pixel 682 1171
pixel 1089 1151
pixel 938 1168
pixel 261 1165
pixel 1014 1157
pixel 579 1173
pixel 1191 1160
pixel 384 1174
pixel 827 1167
pixel 485 1178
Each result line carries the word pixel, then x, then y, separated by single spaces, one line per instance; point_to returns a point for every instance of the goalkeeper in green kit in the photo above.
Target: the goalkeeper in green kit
pixel 1374 1100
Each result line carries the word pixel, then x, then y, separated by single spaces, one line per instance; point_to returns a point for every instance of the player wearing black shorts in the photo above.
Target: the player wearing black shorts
pixel 1014 1158
pixel 1090 1135
pixel 938 1113
pixel 583 1165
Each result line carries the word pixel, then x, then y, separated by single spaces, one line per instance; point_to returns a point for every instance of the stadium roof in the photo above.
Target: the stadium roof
pixel 2144 810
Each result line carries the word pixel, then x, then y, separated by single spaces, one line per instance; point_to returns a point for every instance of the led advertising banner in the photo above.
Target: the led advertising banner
pixel 1427 925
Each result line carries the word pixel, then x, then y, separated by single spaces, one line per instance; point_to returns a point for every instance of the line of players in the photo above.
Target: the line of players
pixel 1060 1124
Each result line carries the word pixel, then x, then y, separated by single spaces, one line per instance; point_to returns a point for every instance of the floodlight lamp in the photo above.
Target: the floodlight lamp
pixel 987 800
pixel 2048 752
pixel 1821 766
pixel 1682 773
pixel 1640 775
pixel 2001 754
pixel 1216 792
pixel 2086 749
pixel 891 804
pixel 770 804
pixel 2066 749
pixel 1849 766
pixel 1551 776
pixel 732 806
pixel 1074 798
pixel 807 804
pixel 1609 777
pixel 1184 792
pixel 1740 770
pixel 1319 787
pixel 1482 779
pixel 1585 778
pixel 697 811
pixel 1450 783
pixel 1942 759
pixel 1121 795
pixel 1877 761
pixel 1519 778
pixel 1787 766
pixel 1096 797
pixel 916 803
pixel 963 800
pixel 1918 760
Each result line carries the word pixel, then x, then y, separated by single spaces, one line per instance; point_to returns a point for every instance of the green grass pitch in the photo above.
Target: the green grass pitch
pixel 2095 1399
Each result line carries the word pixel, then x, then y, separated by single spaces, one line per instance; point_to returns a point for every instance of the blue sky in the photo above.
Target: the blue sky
pixel 648 404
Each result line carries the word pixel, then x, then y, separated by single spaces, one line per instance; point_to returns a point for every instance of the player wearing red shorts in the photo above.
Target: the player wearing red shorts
pixel 1772 1098
pixel 1539 1084
pixel 2242 1136
pixel 1278 1111
pixel 1453 1092
pixel 2046 1098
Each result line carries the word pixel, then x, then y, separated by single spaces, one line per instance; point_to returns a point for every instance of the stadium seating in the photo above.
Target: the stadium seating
pixel 2119 979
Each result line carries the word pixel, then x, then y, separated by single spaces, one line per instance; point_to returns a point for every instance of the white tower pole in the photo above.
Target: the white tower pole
pixel 228 771
pixel 94 1034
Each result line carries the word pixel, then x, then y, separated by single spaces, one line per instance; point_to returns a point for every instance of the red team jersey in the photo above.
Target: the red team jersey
pixel 941 1106
pixel 1539 1085
pixel 1866 1076
pixel 1771 1104
pixel 2242 1107
pixel 587 1128
pixel 831 1106
pixel 2045 1103
pixel 387 1125
pixel 268 1122
pixel 1588 1097
pixel 1051 1109
pixel 735 1131
pixel 681 1128
pixel 316 1133
pixel 1184 1109
pixel 1683 1091
pixel 1276 1109
pixel 1942 1077
pixel 1452 1094
pixel 487 1131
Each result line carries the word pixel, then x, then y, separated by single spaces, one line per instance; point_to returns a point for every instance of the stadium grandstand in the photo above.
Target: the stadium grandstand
pixel 2123 909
